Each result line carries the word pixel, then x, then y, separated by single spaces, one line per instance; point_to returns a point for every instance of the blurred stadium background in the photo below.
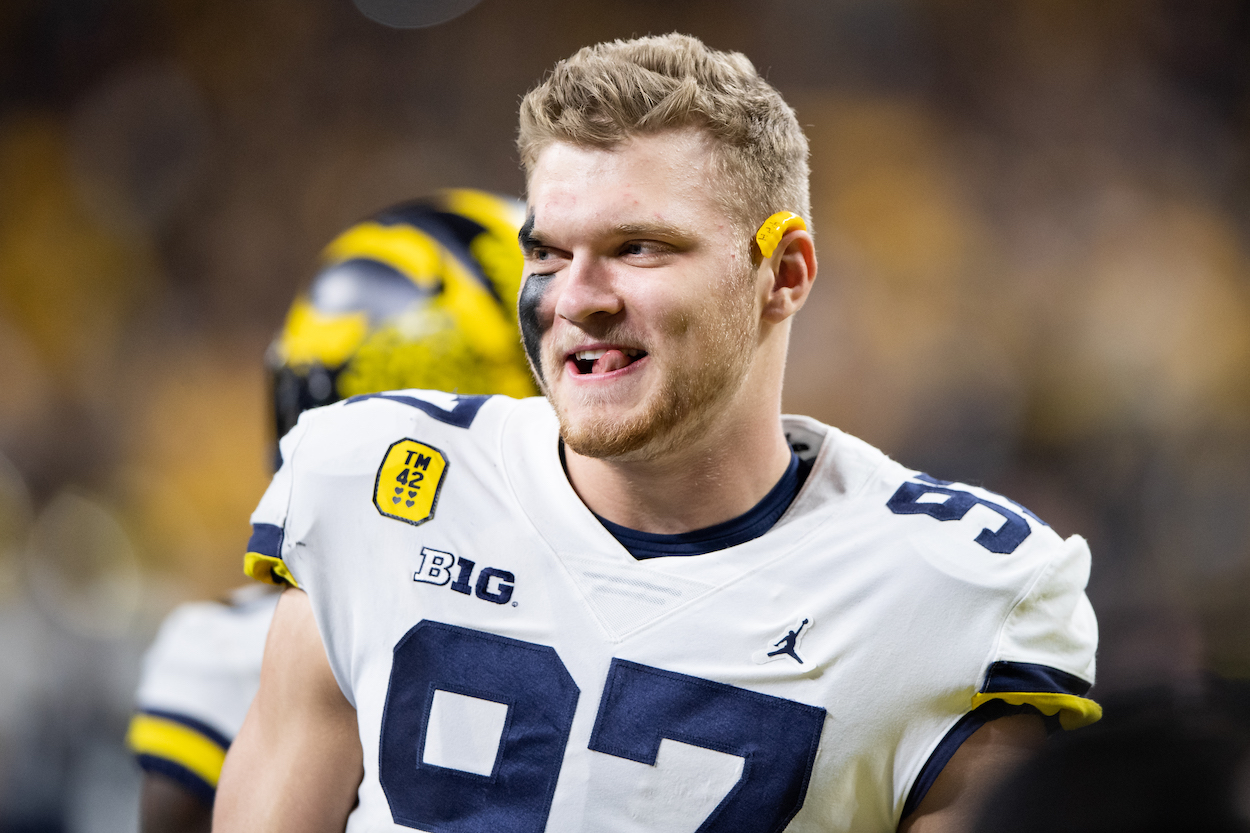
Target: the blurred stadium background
pixel 1033 220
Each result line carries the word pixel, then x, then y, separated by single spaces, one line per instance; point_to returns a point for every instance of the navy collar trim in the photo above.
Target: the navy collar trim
pixel 746 527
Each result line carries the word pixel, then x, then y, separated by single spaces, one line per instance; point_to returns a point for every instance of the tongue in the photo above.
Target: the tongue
pixel 609 361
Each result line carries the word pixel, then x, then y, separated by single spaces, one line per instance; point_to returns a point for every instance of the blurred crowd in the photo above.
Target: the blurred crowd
pixel 1033 224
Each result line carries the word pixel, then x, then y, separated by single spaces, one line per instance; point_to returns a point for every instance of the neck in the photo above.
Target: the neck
pixel 715 477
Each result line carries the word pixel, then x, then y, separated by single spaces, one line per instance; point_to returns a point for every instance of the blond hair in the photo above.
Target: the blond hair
pixel 607 93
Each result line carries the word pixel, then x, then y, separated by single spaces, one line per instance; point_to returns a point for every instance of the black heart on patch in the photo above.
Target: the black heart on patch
pixel 399 490
pixel 412 494
pixel 394 500
pixel 408 503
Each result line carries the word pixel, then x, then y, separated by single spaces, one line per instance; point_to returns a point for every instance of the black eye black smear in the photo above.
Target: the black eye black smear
pixel 531 298
pixel 526 236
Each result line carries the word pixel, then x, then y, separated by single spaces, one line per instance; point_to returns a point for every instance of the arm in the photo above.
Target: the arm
pixel 992 752
pixel 165 806
pixel 191 699
pixel 297 761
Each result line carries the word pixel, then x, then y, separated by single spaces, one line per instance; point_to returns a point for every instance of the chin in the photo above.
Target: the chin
pixel 610 443
pixel 652 430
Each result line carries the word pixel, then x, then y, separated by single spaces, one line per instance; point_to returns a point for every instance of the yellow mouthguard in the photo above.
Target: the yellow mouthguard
pixel 774 229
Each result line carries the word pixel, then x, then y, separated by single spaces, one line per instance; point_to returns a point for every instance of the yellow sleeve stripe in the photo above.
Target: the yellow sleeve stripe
pixel 269 569
pixel 1074 712
pixel 173 741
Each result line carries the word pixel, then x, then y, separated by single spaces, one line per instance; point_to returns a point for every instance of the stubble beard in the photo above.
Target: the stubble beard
pixel 690 394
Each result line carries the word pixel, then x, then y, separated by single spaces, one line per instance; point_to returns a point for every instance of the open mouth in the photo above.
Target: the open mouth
pixel 604 360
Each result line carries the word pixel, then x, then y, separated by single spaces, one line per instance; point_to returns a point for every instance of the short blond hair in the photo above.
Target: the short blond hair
pixel 606 93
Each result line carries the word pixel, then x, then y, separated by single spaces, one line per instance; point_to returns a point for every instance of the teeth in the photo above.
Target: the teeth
pixel 593 355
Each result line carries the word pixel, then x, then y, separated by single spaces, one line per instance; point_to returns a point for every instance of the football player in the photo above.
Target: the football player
pixel 646 601
pixel 420 295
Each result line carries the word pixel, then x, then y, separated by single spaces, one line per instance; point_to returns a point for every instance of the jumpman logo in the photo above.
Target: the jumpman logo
pixel 786 644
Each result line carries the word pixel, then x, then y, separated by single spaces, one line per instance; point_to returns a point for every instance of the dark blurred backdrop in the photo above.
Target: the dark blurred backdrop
pixel 1033 223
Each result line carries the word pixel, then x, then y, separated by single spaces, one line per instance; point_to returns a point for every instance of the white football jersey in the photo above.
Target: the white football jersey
pixel 199 678
pixel 513 667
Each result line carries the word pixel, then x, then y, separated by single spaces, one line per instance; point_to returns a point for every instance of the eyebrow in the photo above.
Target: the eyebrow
pixel 530 240
pixel 653 230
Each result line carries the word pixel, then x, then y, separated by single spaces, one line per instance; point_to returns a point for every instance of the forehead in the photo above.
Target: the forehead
pixel 663 178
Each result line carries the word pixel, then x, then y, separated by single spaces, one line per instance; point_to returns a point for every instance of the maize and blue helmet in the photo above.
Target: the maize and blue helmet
pixel 421 295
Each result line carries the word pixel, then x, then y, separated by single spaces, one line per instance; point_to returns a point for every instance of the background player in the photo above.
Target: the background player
pixel 420 295
pixel 628 553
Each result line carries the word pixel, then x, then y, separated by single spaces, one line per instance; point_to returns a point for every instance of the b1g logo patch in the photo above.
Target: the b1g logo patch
pixel 408 481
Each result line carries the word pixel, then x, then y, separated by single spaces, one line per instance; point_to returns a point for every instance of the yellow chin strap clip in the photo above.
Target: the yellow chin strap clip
pixel 774 228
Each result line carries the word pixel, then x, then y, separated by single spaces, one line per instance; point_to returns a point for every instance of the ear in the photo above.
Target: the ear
pixel 793 267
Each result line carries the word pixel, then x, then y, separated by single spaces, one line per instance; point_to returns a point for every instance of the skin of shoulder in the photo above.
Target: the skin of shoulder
pixel 954 802
pixel 297 761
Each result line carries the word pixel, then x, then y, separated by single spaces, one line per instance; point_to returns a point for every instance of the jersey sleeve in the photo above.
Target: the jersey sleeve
pixel 198 680
pixel 1045 652
pixel 1042 659
pixel 263 560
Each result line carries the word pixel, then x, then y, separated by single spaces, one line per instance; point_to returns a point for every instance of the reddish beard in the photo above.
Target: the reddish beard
pixel 717 357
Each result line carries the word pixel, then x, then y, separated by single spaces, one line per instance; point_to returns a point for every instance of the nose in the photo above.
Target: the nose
pixel 587 290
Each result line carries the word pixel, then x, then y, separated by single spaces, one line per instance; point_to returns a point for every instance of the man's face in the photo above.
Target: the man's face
pixel 639 309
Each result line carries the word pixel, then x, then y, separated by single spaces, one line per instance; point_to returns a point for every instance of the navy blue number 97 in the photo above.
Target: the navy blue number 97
pixel 640 705
pixel 541 697
pixel 907 501
pixel 777 737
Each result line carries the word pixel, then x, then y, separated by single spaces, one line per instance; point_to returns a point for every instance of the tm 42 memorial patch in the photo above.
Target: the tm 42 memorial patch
pixel 408 481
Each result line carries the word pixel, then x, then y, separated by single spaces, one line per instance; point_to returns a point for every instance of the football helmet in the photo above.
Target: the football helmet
pixel 421 295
